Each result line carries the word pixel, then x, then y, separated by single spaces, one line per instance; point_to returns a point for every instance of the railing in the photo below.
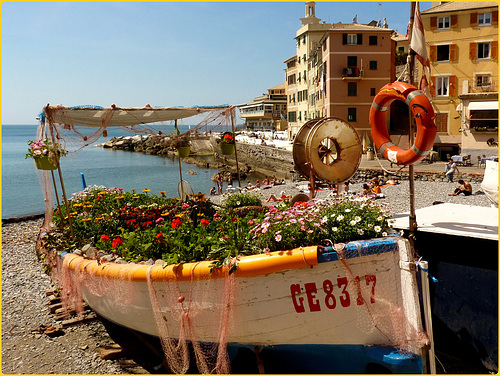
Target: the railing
pixel 352 72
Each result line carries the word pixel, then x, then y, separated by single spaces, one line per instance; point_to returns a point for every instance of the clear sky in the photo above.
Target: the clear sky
pixel 161 53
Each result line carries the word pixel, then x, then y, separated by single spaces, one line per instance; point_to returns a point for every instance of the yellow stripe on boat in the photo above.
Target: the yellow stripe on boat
pixel 248 266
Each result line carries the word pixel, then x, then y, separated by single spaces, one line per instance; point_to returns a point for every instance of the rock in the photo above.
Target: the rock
pixel 110 352
pixel 191 172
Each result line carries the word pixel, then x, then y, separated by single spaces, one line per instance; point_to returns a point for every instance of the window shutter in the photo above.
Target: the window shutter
pixel 453 52
pixel 473 19
pixel 432 88
pixel 472 51
pixel 344 38
pixel 454 20
pixel 434 22
pixel 453 86
pixel 494 17
pixel 360 38
pixel 494 49
pixel 433 53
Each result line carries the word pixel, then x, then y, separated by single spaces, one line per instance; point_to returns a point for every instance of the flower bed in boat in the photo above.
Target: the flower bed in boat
pixel 142 226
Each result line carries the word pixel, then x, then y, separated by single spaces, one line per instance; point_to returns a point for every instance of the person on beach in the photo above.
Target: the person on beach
pixel 367 191
pixel 220 183
pixel 450 169
pixel 213 191
pixel 464 188
pixel 265 181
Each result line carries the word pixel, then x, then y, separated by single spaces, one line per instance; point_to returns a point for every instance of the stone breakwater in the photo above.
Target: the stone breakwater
pixel 265 160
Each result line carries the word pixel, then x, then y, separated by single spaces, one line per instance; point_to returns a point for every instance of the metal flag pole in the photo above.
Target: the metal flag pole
pixel 412 217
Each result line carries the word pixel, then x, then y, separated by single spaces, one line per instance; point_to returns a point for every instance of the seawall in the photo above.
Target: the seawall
pixel 269 161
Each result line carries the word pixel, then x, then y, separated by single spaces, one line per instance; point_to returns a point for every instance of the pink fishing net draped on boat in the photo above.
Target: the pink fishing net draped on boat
pixel 382 312
pixel 192 311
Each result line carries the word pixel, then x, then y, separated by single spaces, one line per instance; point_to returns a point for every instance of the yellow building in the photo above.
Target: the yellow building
pixel 462 41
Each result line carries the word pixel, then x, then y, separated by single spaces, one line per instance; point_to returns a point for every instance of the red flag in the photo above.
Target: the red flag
pixel 417 44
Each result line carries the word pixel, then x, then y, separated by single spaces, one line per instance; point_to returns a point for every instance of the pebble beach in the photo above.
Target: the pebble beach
pixel 25 304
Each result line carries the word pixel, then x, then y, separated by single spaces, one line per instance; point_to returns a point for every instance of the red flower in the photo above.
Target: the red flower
pixel 159 236
pixel 204 222
pixel 228 137
pixel 104 238
pixel 176 223
pixel 116 242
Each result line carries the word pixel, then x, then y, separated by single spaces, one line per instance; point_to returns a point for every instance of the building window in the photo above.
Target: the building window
pixel 443 52
pixel 441 122
pixel 292 116
pixel 352 39
pixel 352 89
pixel 442 84
pixel 483 50
pixel 401 48
pixel 484 19
pixel 352 61
pixel 443 22
pixel 351 114
pixel 372 40
pixel 373 91
pixel 373 64
pixel 483 80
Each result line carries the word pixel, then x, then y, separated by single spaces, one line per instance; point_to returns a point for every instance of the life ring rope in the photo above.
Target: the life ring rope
pixel 421 109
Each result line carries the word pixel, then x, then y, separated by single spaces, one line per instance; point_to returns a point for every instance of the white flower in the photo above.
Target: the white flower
pixel 278 238
pixel 324 219
pixel 378 228
pixel 347 210
pixel 360 231
pixel 380 218
pixel 340 217
pixel 357 218
pixel 335 229
pixel 353 222
pixel 384 233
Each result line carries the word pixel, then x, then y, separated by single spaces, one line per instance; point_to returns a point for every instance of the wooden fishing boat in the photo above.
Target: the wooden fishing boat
pixel 349 309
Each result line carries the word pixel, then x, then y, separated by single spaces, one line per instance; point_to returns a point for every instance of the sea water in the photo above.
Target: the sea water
pixel 22 194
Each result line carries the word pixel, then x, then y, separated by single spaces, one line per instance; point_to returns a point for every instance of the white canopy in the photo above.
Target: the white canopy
pixel 489 105
pixel 119 116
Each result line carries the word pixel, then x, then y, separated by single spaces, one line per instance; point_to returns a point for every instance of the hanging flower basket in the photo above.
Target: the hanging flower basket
pixel 43 163
pixel 183 151
pixel 227 149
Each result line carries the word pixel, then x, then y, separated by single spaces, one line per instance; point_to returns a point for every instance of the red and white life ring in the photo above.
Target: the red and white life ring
pixel 421 109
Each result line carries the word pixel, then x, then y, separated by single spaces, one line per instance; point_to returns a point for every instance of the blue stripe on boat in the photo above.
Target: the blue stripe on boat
pixel 324 359
pixel 359 248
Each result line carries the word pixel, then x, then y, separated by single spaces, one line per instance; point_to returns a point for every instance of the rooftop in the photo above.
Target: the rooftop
pixel 459 6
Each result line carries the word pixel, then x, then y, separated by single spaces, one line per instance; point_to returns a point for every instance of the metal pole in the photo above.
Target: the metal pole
pixel 57 196
pixel 426 298
pixel 412 217
pixel 235 149
pixel 183 195
pixel 61 181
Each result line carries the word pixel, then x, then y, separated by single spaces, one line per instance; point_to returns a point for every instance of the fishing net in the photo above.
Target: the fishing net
pixel 193 310
pixel 382 297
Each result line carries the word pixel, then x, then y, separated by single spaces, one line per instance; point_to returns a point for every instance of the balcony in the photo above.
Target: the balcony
pixel 352 73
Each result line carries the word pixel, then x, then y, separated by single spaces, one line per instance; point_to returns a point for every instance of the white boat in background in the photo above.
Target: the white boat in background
pixel 461 244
